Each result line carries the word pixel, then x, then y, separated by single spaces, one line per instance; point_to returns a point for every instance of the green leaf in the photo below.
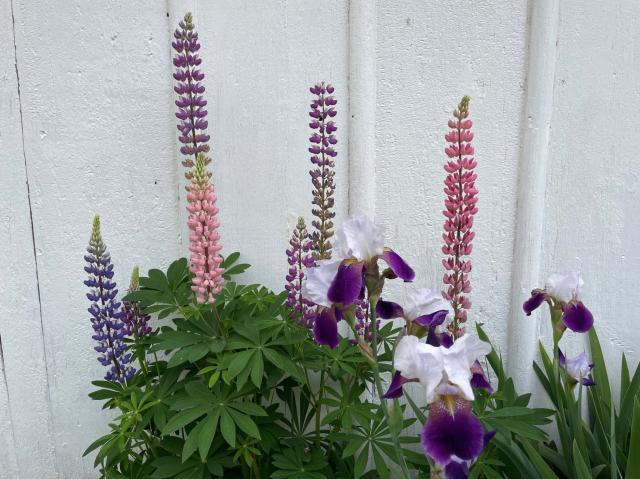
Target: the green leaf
pixel 599 373
pixel 178 271
pixel 245 423
pixel 282 362
pixel 257 369
pixel 538 462
pixel 228 428
pixel 183 418
pixel 191 443
pixel 205 438
pixel 633 461
pixel 249 408
pixel 583 471
pixel 240 362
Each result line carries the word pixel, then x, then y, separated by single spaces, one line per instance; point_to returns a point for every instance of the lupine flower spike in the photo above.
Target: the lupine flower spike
pixel 299 256
pixel 323 140
pixel 136 323
pixel 460 208
pixel 204 239
pixel 109 330
pixel 190 89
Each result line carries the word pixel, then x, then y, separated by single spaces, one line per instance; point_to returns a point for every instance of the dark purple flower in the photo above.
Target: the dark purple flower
pixel 106 316
pixel 536 299
pixel 299 256
pixel 398 265
pixel 562 291
pixel 452 432
pixel 577 317
pixel 136 323
pixel 322 175
pixel 325 327
pixel 479 379
pixel 191 103
pixel 456 470
pixel 388 310
pixel 347 284
pixel 395 388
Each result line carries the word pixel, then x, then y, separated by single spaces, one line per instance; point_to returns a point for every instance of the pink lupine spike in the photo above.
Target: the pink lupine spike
pixel 460 206
pixel 204 239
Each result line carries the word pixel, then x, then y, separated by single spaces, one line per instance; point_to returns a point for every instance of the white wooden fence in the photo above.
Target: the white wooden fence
pixel 86 125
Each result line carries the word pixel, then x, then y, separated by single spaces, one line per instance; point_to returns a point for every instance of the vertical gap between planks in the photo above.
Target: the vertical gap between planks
pixel 362 25
pixel 523 332
pixel 35 257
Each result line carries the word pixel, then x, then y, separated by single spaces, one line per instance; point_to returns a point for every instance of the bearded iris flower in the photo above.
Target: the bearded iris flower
pixel 562 292
pixel 337 284
pixel 424 308
pixel 453 437
pixel 577 369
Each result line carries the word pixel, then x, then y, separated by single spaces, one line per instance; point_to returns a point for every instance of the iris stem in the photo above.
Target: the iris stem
pixel 383 402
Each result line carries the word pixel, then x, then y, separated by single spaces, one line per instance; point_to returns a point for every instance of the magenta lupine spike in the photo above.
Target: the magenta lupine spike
pixel 204 239
pixel 299 256
pixel 460 208
pixel 322 140
pixel 190 90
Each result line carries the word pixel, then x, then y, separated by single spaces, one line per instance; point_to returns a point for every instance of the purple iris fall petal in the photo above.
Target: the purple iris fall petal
pixel 534 302
pixel 439 339
pixel 587 382
pixel 577 317
pixel 433 319
pixel 456 470
pixel 347 285
pixel 325 328
pixel 478 378
pixel 395 388
pixel 446 435
pixel 562 360
pixel 399 266
pixel 388 310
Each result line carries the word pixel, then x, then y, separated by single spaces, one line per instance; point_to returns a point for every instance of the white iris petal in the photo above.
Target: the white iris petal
pixel 358 238
pixel 565 286
pixel 318 279
pixel 433 365
pixel 423 302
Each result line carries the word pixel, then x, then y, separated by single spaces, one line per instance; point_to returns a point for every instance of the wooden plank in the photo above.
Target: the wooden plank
pixel 524 332
pixel 98 129
pixel 593 192
pixel 26 445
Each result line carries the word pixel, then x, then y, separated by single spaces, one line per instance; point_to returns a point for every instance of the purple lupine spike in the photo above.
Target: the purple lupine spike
pixel 191 103
pixel 323 141
pixel 136 323
pixel 109 330
pixel 363 323
pixel 299 256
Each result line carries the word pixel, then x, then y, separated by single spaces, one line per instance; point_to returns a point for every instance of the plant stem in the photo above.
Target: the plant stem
pixel 383 402
pixel 319 406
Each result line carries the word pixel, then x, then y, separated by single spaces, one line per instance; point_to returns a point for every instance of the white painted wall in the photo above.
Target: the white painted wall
pixel 86 125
